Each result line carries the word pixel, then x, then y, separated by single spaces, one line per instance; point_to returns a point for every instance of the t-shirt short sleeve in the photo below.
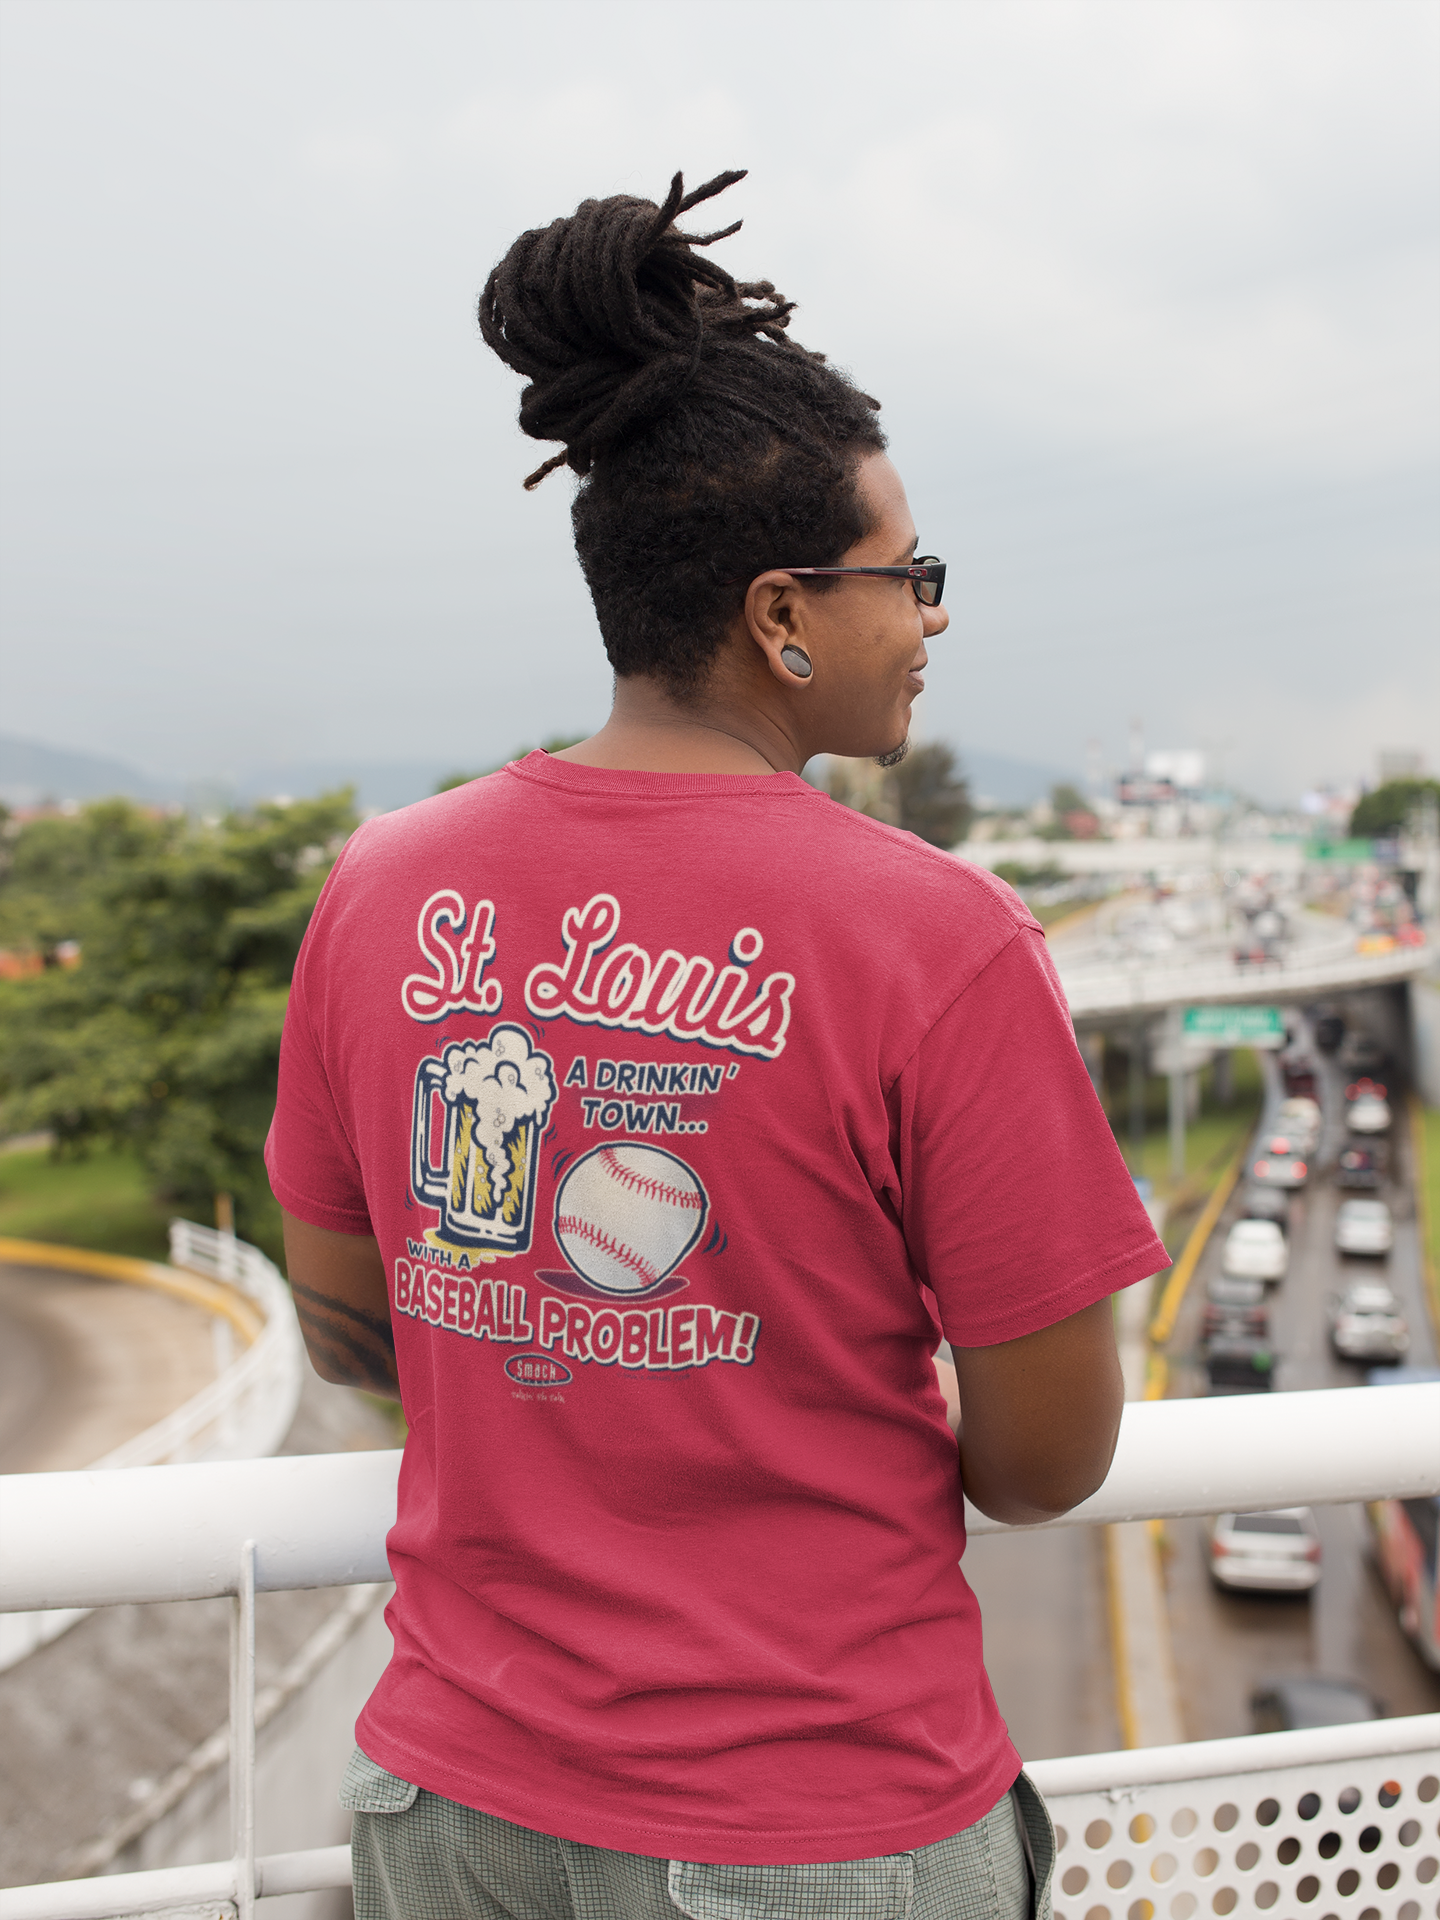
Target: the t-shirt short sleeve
pixel 1017 1205
pixel 313 1168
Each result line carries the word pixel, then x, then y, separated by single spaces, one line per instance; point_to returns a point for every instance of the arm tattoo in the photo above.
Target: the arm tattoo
pixel 357 1346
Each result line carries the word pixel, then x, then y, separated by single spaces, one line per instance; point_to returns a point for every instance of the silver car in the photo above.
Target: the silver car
pixel 1363 1226
pixel 1366 1323
pixel 1275 1552
pixel 1255 1250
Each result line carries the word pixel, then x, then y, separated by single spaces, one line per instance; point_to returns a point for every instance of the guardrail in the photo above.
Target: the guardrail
pixel 243 1414
pixel 194 1532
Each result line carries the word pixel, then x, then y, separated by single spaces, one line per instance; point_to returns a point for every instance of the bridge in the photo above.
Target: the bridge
pixel 1100 994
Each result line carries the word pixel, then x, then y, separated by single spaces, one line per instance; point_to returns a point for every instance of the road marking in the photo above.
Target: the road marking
pixel 211 1295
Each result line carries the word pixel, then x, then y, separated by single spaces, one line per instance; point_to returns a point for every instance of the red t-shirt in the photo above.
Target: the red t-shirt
pixel 676 1103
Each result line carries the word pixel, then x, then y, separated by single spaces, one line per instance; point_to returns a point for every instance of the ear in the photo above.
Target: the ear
pixel 776 617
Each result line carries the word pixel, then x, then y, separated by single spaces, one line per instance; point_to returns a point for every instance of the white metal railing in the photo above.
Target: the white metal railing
pixel 243 1414
pixel 193 1532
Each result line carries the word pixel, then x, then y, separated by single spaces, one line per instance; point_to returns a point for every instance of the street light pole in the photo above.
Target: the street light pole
pixel 1174 1020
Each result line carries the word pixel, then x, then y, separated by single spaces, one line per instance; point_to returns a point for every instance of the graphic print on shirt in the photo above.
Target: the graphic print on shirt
pixel 625 1217
pixel 495 1095
pixel 625 1213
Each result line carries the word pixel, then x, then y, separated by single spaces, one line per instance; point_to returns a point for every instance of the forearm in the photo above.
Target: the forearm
pixel 343 1305
pixel 1040 1418
pixel 346 1346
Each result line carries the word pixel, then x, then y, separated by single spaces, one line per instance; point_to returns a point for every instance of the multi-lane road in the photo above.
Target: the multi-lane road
pixel 1225 1643
pixel 1043 1595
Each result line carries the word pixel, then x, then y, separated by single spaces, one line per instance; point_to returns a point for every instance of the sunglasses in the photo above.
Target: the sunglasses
pixel 926 575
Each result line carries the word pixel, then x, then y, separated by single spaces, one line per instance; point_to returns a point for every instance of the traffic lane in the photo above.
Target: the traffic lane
pixel 1227 1644
pixel 1047 1637
pixel 90 1363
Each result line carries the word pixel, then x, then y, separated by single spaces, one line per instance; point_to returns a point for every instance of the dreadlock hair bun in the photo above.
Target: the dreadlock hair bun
pixel 710 445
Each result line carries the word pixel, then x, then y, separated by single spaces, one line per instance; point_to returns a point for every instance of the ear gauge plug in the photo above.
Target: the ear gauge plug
pixel 797 661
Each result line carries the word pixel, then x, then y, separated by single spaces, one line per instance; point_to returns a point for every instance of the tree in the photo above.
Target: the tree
pixel 165 1039
pixel 934 795
pixel 925 793
pixel 1383 814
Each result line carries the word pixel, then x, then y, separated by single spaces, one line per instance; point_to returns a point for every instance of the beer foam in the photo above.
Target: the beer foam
pixel 506 1083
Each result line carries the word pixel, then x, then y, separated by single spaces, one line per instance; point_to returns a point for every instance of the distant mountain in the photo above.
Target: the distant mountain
pixel 378 787
pixel 1010 783
pixel 31 774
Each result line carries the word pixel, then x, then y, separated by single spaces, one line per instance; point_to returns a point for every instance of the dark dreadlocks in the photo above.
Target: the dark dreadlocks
pixel 710 445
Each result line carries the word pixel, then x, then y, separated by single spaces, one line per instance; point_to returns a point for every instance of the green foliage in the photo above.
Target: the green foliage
pixel 933 795
pixel 1016 874
pixel 1384 813
pixel 164 1041
pixel 555 744
pixel 1067 799
pixel 102 1201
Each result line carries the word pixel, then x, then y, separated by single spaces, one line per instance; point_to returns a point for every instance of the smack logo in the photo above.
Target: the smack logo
pixel 538 1370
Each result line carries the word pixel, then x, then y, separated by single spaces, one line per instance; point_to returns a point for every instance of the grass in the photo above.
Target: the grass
pixel 101 1202
pixel 1211 1141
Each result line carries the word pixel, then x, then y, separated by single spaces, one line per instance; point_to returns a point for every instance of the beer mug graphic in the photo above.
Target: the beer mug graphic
pixel 483 1104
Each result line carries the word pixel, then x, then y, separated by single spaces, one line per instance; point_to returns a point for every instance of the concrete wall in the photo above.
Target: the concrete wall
pixel 1425 1031
pixel 301 1753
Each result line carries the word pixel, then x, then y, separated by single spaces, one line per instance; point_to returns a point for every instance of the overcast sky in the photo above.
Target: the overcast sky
pixel 1150 294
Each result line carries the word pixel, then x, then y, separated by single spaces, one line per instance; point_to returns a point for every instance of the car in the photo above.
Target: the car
pixel 1300 1121
pixel 1255 953
pixel 1274 1552
pixel 1278 1164
pixel 1310 1700
pixel 1363 1226
pixel 1266 1203
pixel 1300 1079
pixel 1329 1031
pixel 1366 1323
pixel 1368 1112
pixel 1255 1249
pixel 1238 1363
pixel 1224 1322
pixel 1360 1054
pixel 1359 1170
pixel 1232 1290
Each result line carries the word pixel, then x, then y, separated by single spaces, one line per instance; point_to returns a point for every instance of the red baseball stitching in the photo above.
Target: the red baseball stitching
pixel 651 1188
pixel 604 1242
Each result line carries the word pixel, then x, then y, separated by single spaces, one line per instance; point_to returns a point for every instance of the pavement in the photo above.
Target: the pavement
pixel 1224 1643
pixel 86 1364
pixel 96 1722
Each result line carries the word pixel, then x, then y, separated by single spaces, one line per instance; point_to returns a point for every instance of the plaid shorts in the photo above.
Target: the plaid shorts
pixel 420 1857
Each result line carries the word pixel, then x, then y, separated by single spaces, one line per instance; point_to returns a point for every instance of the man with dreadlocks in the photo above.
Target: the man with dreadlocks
pixel 646 1123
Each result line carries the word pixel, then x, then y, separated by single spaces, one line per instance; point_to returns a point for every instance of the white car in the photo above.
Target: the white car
pixel 1368 1114
pixel 1276 1552
pixel 1366 1323
pixel 1363 1226
pixel 1300 1118
pixel 1255 1250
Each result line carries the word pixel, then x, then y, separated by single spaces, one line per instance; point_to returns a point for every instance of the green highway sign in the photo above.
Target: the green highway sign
pixel 1234 1026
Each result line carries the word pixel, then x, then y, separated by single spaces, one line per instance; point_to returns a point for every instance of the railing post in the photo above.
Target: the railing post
pixel 1175 1037
pixel 242 1733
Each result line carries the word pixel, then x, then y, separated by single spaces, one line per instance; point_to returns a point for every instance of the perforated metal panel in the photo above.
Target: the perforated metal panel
pixel 1354 1839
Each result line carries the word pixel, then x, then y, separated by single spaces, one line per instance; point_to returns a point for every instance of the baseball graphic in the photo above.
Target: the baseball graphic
pixel 625 1216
